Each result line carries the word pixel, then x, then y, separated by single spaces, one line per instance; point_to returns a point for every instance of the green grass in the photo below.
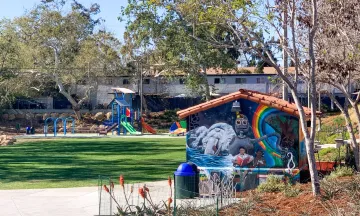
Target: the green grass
pixel 78 162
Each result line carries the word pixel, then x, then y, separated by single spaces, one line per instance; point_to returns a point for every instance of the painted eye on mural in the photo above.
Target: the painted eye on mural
pixel 238 122
pixel 244 122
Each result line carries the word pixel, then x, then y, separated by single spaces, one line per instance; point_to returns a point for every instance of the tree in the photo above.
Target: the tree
pixel 338 57
pixel 55 38
pixel 11 58
pixel 246 20
pixel 173 44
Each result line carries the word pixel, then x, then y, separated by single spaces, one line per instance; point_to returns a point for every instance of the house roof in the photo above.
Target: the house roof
pixel 241 70
pixel 254 96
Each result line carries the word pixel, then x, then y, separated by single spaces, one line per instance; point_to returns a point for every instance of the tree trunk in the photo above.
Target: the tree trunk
pixel 345 112
pixel 354 144
pixel 207 88
pixel 75 105
pixel 309 144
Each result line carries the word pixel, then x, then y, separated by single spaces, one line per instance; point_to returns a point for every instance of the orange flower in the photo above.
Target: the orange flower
pixel 121 180
pixel 169 201
pixel 106 189
pixel 112 185
pixel 146 189
pixel 142 193
pixel 169 181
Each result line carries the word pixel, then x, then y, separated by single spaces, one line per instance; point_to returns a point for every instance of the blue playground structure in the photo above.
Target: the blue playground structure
pixel 122 114
pixel 55 121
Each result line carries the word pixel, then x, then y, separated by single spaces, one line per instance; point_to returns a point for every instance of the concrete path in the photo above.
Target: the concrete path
pixel 45 202
pixel 83 201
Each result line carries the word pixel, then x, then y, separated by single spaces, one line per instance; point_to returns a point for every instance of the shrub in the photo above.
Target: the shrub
pixel 272 184
pixel 341 171
pixel 330 187
pixel 292 191
pixel 331 154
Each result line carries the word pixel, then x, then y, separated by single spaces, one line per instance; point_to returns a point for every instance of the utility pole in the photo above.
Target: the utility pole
pixel 285 91
pixel 141 95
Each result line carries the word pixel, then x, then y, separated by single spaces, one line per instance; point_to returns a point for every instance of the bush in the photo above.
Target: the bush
pixel 341 172
pixel 331 154
pixel 291 191
pixel 330 187
pixel 272 184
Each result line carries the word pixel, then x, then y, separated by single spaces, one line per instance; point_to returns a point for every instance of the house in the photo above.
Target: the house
pixel 245 136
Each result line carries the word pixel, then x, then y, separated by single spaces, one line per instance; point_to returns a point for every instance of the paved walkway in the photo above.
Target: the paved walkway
pixel 45 202
pixel 83 201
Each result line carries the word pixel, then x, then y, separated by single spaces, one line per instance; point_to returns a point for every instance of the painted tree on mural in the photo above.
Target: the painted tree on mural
pixel 248 21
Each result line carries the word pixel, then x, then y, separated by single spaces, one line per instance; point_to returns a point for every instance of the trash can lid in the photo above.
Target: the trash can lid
pixel 184 170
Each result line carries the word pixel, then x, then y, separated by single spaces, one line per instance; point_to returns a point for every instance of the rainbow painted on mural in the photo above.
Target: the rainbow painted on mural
pixel 258 119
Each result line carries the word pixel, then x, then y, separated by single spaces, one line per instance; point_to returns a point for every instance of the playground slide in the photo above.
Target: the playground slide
pixel 148 128
pixel 108 129
pixel 129 128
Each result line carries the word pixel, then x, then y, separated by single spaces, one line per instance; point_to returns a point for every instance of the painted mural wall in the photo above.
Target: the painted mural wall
pixel 246 140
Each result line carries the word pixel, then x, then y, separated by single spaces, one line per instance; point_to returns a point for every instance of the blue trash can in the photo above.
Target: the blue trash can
pixel 184 182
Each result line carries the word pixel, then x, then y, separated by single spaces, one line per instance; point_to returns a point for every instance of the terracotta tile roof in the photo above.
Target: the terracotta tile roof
pixel 267 70
pixel 254 96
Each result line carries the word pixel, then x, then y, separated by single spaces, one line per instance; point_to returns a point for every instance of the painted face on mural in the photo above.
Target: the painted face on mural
pixel 241 123
pixel 242 151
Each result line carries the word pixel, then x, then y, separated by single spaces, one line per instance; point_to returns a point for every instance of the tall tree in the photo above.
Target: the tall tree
pixel 152 26
pixel 338 57
pixel 55 37
pixel 246 20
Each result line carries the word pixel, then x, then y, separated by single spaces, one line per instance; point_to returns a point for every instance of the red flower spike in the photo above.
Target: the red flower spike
pixel 169 181
pixel 106 189
pixel 121 180
pixel 169 201
pixel 142 192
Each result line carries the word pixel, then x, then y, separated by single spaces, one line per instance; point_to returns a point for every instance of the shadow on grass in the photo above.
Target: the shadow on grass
pixel 85 160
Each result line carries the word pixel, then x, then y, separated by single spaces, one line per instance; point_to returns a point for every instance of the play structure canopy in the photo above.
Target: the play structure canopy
pixel 123 90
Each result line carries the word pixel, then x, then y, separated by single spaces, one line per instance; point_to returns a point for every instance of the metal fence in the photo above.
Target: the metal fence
pixel 160 199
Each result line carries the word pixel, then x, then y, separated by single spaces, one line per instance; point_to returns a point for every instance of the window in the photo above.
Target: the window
pixel 260 80
pixel 240 80
pixel 182 81
pixel 109 81
pixel 146 81
pixel 219 81
pixel 126 82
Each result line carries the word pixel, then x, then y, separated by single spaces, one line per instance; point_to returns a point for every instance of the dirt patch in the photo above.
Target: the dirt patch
pixel 264 204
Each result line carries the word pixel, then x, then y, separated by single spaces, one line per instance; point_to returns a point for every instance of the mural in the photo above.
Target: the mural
pixel 245 139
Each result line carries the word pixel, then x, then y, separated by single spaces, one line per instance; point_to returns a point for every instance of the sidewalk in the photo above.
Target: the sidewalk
pixel 82 201
pixel 44 202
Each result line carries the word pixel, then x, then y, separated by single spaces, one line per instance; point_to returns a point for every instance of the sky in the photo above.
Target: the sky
pixel 110 10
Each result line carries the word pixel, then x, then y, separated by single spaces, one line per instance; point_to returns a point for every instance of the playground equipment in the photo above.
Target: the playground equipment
pixel 178 129
pixel 55 120
pixel 122 114
pixel 147 127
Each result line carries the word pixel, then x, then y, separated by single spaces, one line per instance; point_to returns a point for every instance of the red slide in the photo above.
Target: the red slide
pixel 147 127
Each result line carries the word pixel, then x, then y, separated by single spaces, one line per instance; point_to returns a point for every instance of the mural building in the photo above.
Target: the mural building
pixel 245 141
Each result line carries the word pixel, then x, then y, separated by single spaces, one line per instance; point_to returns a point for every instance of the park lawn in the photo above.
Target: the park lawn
pixel 60 163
